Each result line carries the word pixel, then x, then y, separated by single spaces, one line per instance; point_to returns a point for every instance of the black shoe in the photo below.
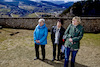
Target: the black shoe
pixel 53 59
pixel 58 60
pixel 36 58
pixel 72 64
pixel 43 59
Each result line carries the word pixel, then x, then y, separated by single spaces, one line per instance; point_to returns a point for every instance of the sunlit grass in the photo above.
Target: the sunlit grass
pixel 4 10
pixel 25 38
pixel 91 39
pixel 38 13
pixel 14 15
pixel 18 50
pixel 32 15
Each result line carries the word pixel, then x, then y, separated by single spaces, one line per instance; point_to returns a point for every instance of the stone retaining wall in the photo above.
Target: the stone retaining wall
pixel 90 24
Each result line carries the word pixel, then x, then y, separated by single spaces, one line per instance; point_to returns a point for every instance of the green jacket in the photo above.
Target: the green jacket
pixel 76 33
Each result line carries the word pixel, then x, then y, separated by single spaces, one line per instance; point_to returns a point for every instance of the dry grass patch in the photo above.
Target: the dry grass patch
pixel 17 50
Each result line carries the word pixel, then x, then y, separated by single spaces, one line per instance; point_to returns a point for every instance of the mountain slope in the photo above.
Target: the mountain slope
pixel 52 4
pixel 84 8
pixel 58 2
pixel 67 5
pixel 25 7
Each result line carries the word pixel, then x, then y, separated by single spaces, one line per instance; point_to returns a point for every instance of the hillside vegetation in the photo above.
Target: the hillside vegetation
pixel 83 8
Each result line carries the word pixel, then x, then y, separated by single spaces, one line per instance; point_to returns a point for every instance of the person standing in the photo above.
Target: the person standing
pixel 40 38
pixel 56 37
pixel 74 34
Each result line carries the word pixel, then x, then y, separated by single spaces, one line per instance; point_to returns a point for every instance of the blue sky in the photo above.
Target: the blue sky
pixel 49 0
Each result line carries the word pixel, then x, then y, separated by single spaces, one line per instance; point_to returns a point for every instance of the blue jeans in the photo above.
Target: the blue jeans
pixel 67 54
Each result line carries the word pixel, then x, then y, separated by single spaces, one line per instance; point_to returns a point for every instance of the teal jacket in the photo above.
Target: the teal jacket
pixel 40 33
pixel 76 33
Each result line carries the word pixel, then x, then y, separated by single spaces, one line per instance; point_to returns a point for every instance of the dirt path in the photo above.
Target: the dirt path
pixel 18 51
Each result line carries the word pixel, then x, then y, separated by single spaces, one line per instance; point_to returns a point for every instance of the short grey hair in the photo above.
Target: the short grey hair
pixel 43 20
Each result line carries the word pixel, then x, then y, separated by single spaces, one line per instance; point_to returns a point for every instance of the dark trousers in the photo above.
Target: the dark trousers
pixel 54 51
pixel 42 49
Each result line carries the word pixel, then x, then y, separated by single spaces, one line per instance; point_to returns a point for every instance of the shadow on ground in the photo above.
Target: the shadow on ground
pixel 12 33
pixel 61 63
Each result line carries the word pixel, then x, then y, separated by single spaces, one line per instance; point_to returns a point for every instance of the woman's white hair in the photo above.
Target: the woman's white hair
pixel 43 20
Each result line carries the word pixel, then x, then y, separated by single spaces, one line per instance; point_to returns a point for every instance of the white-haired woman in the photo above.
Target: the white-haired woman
pixel 40 38
pixel 74 34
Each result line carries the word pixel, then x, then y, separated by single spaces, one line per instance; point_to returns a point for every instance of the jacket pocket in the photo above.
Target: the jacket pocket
pixel 75 45
pixel 68 43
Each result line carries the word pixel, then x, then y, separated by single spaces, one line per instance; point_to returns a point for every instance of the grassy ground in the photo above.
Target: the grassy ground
pixel 14 15
pixel 32 15
pixel 17 50
pixel 38 13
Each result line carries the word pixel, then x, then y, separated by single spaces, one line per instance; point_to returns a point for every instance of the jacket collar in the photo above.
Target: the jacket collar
pixel 60 28
pixel 76 26
pixel 40 27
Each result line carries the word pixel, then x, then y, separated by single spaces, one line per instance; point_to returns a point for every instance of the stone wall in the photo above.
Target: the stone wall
pixel 90 24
